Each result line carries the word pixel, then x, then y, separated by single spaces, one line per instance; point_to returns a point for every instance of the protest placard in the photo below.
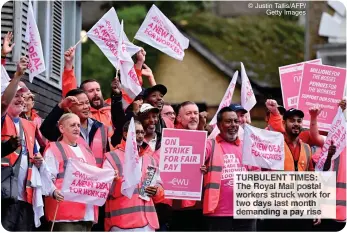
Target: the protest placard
pixel 321 86
pixel 337 135
pixel 87 184
pixel 159 32
pixel 180 160
pixel 290 78
pixel 263 148
pixel 36 63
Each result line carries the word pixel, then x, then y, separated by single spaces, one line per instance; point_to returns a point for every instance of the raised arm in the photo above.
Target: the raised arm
pixel 69 79
pixel 316 138
pixel 6 48
pixel 11 89
pixel 275 119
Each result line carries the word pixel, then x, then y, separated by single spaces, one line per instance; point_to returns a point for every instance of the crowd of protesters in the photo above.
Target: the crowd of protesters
pixel 85 126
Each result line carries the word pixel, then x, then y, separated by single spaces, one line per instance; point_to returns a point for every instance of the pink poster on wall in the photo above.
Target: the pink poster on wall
pixel 290 78
pixel 324 86
pixel 182 153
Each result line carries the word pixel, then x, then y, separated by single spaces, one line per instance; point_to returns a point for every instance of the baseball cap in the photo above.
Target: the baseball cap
pixel 237 107
pixel 293 112
pixel 159 87
pixel 21 87
pixel 281 109
pixel 140 96
pixel 148 108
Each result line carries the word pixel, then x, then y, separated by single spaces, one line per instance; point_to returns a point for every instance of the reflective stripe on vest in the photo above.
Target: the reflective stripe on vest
pixel 339 184
pixel 27 131
pixel 303 161
pixel 62 152
pixel 125 213
pixel 129 210
pixel 212 179
pixel 103 140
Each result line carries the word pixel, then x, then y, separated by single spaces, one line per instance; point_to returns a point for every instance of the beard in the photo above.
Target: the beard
pixel 98 106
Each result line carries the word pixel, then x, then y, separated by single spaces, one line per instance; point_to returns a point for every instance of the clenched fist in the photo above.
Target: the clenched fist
pixel 272 106
pixel 22 65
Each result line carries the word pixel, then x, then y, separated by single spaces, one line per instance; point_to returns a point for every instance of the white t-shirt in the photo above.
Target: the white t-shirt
pixel 23 170
pixel 53 166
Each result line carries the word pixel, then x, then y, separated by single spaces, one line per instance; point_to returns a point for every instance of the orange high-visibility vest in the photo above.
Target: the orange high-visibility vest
pixel 212 179
pixel 340 169
pixel 303 161
pixel 125 213
pixel 29 129
pixel 98 145
pixel 67 210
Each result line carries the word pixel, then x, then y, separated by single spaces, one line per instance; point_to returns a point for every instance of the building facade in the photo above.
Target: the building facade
pixel 59 24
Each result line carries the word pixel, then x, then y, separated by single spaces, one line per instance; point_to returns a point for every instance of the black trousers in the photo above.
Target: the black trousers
pixel 17 216
pixel 230 224
pixel 286 225
pixel 187 220
pixel 329 225
pixel 99 226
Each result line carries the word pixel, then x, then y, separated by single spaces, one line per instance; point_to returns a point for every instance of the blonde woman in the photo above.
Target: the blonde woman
pixel 71 216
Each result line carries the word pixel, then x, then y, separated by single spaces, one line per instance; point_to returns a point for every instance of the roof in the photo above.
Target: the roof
pixel 262 43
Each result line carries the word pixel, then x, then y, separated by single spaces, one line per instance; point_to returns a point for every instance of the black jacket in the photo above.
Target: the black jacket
pixel 49 127
pixel 119 118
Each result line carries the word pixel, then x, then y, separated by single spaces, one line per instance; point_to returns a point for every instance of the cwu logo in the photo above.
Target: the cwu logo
pixel 179 182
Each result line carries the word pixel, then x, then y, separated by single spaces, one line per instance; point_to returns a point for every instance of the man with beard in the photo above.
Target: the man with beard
pixel 187 116
pixel 223 153
pixel 93 132
pixel 298 158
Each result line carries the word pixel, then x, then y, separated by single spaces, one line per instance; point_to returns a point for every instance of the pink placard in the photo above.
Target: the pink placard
pixel 290 78
pixel 182 153
pixel 324 86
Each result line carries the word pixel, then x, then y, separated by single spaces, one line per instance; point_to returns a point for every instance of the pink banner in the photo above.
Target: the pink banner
pixel 182 153
pixel 324 86
pixel 290 78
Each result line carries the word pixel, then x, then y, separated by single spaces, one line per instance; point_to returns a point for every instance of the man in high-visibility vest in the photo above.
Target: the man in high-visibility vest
pixel 223 152
pixel 134 214
pixel 17 203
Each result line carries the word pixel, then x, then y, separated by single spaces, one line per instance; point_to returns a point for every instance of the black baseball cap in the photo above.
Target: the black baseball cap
pixel 159 87
pixel 281 109
pixel 140 96
pixel 293 112
pixel 237 107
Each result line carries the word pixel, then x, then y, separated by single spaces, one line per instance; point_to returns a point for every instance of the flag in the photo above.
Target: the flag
pixel 105 34
pixel 159 32
pixel 32 37
pixel 132 168
pixel 129 80
pixel 88 184
pixel 248 100
pixel 226 101
pixel 337 135
pixel 5 79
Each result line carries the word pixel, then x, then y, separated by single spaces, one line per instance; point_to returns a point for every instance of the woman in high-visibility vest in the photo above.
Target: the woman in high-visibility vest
pixel 70 216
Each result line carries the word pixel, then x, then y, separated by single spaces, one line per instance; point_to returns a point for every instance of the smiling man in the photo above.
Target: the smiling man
pixel 93 132
pixel 223 153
